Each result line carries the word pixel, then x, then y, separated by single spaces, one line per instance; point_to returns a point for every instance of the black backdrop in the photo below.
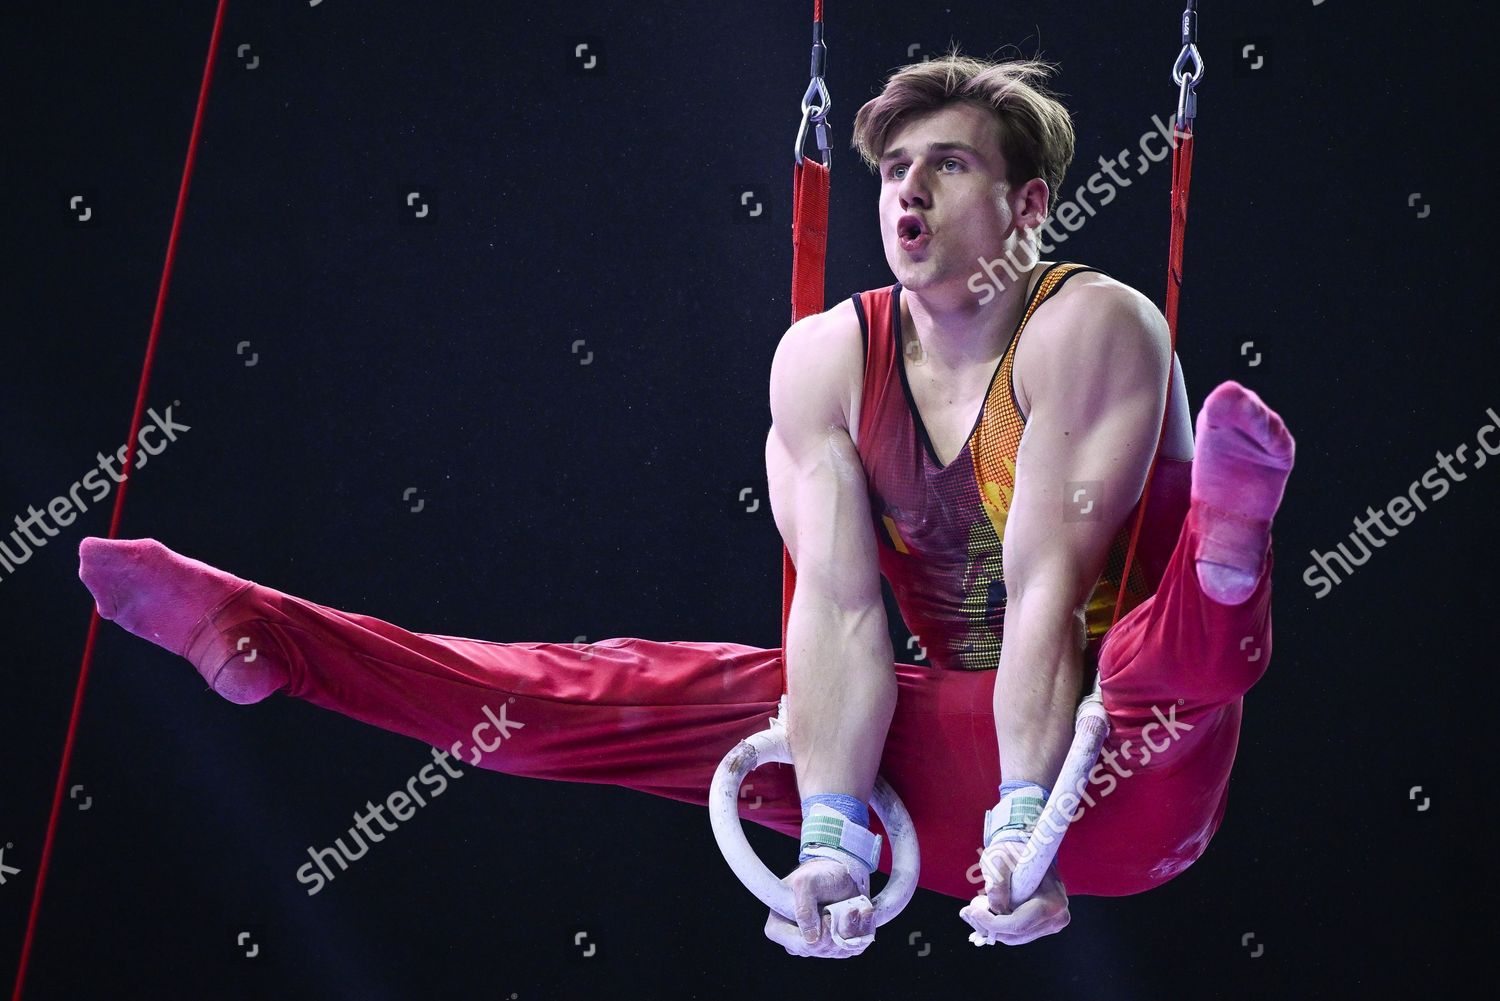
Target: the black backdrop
pixel 564 499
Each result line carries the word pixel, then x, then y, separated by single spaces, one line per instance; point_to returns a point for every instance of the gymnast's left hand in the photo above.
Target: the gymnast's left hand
pixel 814 883
pixel 1044 913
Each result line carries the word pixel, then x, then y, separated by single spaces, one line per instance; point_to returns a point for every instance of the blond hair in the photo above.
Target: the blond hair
pixel 1036 131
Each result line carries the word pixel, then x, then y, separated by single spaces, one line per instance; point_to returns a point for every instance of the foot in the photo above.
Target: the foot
pixel 1242 458
pixel 164 597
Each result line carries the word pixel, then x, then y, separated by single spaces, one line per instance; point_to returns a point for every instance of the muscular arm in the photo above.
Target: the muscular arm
pixel 840 665
pixel 1097 390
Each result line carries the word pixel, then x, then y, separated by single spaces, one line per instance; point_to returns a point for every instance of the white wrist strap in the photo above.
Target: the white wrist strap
pixel 827 833
pixel 1015 816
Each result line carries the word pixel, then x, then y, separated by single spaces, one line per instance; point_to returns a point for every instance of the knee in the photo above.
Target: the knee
pixel 1233 675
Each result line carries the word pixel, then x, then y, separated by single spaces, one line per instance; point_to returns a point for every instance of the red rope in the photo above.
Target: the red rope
pixel 114 521
pixel 1182 172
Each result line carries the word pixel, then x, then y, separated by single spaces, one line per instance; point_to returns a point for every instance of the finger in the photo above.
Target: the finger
pixel 809 918
pixel 830 948
pixel 1002 900
pixel 1050 897
pixel 1033 919
pixel 848 915
pixel 997 865
pixel 857 921
pixel 997 890
pixel 785 934
pixel 1045 913
pixel 979 917
pixel 848 950
pixel 852 919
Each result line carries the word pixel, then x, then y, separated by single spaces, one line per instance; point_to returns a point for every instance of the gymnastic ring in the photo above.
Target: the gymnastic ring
pixel 1090 730
pixel 772 746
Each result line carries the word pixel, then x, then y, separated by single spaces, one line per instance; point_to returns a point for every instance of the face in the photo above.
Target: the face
pixel 944 199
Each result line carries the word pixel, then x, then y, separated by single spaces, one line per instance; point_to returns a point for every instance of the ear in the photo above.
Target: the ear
pixel 1029 201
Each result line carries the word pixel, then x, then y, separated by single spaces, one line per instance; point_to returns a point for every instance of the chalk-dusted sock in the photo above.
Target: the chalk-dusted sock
pixel 1243 456
pixel 164 597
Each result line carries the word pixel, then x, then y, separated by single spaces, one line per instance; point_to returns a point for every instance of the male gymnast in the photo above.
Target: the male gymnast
pixel 991 479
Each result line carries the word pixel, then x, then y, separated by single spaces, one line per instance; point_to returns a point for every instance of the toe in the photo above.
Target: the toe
pixel 92 555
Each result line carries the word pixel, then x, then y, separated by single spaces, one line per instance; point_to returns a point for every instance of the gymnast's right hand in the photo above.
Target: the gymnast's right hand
pixel 814 883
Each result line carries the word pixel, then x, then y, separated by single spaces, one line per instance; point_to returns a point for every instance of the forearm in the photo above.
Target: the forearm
pixel 842 682
pixel 1037 687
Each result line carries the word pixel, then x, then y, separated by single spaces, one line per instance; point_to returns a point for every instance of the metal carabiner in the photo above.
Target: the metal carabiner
pixel 1187 94
pixel 817 115
pixel 1187 82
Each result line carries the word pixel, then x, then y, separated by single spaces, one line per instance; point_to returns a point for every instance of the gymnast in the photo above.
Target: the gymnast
pixel 991 478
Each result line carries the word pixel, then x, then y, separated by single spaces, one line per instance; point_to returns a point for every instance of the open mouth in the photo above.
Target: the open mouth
pixel 912 233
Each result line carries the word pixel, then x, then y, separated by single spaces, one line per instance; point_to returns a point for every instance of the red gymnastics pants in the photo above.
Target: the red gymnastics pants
pixel 658 717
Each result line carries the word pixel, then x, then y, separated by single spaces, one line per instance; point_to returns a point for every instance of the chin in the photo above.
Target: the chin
pixel 911 274
pixel 920 275
pixel 917 279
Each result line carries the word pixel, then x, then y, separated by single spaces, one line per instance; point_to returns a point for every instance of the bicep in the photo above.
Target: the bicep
pixel 819 493
pixel 819 501
pixel 1085 453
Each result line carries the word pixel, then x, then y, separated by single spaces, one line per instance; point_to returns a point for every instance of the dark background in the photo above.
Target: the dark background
pixel 603 499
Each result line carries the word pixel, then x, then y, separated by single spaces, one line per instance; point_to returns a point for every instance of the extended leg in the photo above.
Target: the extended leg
pixel 642 714
pixel 638 713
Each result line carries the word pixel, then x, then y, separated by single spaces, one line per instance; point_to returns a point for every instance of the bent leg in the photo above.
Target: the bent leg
pixel 1174 671
pixel 1172 674
pixel 1182 648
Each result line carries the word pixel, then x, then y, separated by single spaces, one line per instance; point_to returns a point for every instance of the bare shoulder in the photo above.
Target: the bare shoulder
pixel 1097 319
pixel 1096 305
pixel 818 367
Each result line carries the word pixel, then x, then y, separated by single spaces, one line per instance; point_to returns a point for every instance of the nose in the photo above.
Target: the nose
pixel 913 190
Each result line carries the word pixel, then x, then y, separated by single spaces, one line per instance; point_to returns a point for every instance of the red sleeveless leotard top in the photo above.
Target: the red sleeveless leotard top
pixel 939 528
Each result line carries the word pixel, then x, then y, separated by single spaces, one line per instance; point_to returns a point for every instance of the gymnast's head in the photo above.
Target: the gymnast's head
pixel 971 154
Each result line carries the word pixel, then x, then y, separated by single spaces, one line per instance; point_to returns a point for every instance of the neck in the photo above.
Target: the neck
pixel 955 331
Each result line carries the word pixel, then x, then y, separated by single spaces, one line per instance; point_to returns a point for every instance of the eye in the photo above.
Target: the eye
pixel 896 172
pixel 957 164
